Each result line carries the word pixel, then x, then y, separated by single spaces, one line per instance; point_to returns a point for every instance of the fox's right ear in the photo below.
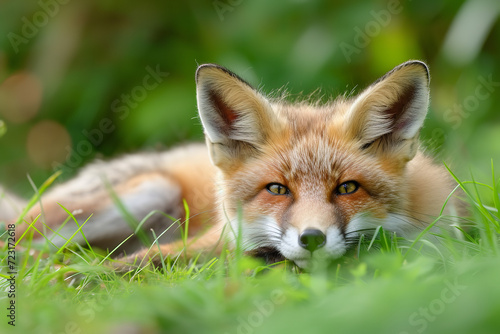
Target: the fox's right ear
pixel 388 115
pixel 237 119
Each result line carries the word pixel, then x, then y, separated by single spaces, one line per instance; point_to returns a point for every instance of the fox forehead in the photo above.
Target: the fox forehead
pixel 312 143
pixel 311 157
pixel 310 116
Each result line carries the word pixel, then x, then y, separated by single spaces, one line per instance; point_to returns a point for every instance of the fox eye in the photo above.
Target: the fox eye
pixel 277 189
pixel 348 187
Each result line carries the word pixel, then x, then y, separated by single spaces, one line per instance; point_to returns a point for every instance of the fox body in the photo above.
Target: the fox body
pixel 296 180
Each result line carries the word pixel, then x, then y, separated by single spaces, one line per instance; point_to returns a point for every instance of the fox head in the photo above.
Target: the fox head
pixel 309 178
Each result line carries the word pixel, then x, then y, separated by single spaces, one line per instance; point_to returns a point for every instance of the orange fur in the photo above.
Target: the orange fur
pixel 370 141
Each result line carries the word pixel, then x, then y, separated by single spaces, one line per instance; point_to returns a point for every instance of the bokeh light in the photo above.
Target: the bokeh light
pixel 20 97
pixel 47 143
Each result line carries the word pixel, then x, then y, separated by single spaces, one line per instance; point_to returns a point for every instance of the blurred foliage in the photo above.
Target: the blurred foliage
pixel 66 70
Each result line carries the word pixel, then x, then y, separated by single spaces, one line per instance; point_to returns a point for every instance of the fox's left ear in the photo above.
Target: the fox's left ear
pixel 388 115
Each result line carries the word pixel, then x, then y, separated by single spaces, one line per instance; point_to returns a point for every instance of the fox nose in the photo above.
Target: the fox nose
pixel 312 239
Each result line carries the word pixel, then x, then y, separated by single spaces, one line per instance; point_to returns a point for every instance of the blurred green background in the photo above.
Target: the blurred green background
pixel 76 82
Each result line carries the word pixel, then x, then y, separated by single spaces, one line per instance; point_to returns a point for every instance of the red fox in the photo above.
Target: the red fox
pixel 291 180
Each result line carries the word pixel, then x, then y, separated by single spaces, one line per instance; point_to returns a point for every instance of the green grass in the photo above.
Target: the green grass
pixel 385 285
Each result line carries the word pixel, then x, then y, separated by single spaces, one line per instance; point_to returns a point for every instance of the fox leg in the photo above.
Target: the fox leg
pixel 211 242
pixel 107 226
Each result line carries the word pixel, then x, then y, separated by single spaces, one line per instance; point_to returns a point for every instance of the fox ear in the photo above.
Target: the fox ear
pixel 236 118
pixel 389 114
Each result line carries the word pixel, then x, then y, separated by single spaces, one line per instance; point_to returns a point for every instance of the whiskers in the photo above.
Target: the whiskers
pixel 352 238
pixel 442 225
pixel 263 232
pixel 406 222
pixel 402 229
